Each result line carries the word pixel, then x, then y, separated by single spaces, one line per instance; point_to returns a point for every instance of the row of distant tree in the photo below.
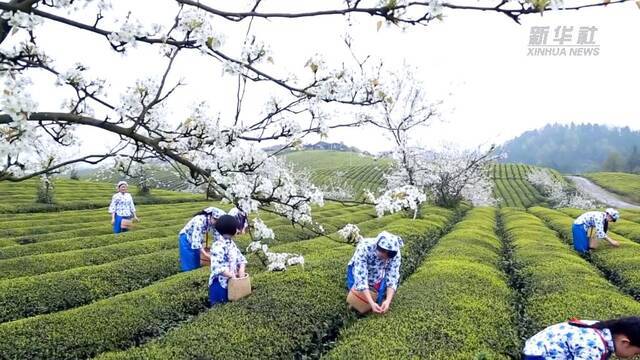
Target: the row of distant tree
pixel 623 162
pixel 577 148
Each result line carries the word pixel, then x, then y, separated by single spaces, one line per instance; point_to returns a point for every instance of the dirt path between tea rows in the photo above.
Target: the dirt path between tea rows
pixel 601 194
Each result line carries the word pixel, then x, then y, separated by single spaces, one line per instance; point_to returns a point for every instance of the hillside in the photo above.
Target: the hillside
pixel 77 194
pixel 623 184
pixel 512 188
pixel 336 169
pixel 321 145
pixel 571 148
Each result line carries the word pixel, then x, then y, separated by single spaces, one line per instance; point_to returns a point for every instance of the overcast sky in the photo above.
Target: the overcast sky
pixel 476 63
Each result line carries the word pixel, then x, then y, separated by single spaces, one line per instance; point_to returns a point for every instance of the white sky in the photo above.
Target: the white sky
pixel 475 62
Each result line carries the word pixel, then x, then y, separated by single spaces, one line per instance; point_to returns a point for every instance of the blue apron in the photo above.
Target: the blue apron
pixel 580 238
pixel 117 224
pixel 189 258
pixel 217 294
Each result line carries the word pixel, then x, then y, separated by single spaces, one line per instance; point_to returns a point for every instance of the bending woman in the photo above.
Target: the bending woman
pixel 586 340
pixel 376 264
pixel 192 237
pixel 590 221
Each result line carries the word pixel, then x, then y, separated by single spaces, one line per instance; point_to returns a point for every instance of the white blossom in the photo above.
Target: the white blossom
pixel 129 31
pixel 197 25
pixel 253 51
pixel 403 198
pixel 23 20
pixel 275 261
pixel 350 233
pixel 261 231
pixel 557 193
pixel 15 100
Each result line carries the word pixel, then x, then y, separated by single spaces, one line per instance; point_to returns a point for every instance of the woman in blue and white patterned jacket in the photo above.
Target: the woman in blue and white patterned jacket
pixel 591 221
pixel 192 237
pixel 376 265
pixel 227 262
pixel 586 340
pixel 121 207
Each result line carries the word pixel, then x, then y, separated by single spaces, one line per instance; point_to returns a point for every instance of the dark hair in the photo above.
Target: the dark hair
pixel 242 219
pixel 390 254
pixel 226 225
pixel 627 326
pixel 201 212
pixel 606 226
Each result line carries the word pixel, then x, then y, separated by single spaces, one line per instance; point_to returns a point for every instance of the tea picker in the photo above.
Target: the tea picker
pixel 192 235
pixel 586 340
pixel 593 223
pixel 122 209
pixel 228 280
pixel 373 273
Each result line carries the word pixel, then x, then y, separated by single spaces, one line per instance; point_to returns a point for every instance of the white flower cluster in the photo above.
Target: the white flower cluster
pixel 139 96
pixel 261 230
pixel 556 192
pixel 351 233
pixel 197 25
pixel 247 173
pixel 275 261
pixel 406 197
pixel 447 177
pixel 480 193
pixel 255 51
pixel 72 76
pixel 75 5
pixel 129 31
pixel 335 192
pixel 22 20
pixel 15 99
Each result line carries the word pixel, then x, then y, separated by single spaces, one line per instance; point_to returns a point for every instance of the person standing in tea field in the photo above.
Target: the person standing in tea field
pixel 586 340
pixel 242 218
pixel 192 236
pixel 587 223
pixel 122 207
pixel 376 265
pixel 227 262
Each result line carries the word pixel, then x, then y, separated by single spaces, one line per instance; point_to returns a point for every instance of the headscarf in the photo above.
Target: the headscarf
pixel 214 212
pixel 389 242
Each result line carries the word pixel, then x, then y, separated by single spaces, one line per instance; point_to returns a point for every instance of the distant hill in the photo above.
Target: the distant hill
pixel 321 146
pixel 571 148
pixel 351 171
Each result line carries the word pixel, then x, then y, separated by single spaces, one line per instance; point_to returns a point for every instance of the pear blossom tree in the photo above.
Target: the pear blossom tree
pixel 559 195
pixel 445 177
pixel 221 153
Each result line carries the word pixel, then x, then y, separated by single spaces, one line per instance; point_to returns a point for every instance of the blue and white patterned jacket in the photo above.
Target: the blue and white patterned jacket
pixel 122 205
pixel 593 220
pixel 564 342
pixel 196 230
pixel 368 268
pixel 225 255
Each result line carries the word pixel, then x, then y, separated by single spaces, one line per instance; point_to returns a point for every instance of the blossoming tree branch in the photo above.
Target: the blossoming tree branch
pixel 222 153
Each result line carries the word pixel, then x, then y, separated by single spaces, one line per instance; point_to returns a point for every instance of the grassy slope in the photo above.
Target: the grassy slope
pixel 626 185
pixel 77 194
pixel 352 171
